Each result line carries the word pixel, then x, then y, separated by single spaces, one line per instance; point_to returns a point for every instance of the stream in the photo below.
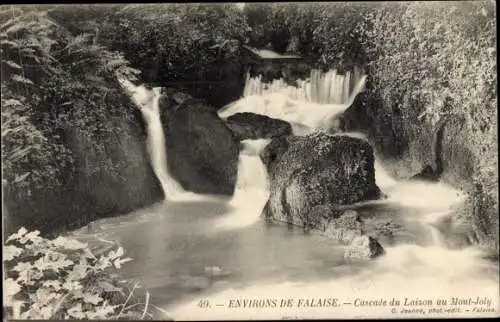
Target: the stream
pixel 209 257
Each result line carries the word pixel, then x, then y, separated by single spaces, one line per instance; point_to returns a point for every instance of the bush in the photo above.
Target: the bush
pixel 66 125
pixel 193 47
pixel 63 279
pixel 435 60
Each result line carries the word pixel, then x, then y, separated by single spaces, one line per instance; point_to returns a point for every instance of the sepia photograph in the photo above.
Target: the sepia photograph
pixel 250 161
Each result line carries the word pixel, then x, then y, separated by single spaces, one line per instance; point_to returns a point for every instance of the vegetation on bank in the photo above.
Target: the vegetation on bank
pixel 66 123
pixel 62 278
pixel 191 47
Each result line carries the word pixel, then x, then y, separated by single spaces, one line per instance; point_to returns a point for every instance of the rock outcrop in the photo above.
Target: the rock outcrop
pixel 91 190
pixel 254 126
pixel 313 181
pixel 202 153
pixel 318 169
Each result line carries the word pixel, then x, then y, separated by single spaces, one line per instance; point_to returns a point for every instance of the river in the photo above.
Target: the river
pixel 183 254
pixel 207 257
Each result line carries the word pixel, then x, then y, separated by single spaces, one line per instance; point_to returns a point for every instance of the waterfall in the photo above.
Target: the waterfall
pixel 252 187
pixel 148 103
pixel 312 104
pixel 157 150
pixel 323 88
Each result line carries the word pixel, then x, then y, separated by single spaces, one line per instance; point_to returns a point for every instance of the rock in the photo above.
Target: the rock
pixel 202 153
pixel 363 248
pixel 90 190
pixel 254 126
pixel 275 148
pixel 345 228
pixel 342 226
pixel 318 169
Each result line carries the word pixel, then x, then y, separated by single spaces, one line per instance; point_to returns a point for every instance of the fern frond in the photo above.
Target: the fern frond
pixel 12 64
pixel 6 42
pixel 21 79
pixel 113 64
pixel 79 41
pixel 18 27
pixel 11 102
pixel 19 153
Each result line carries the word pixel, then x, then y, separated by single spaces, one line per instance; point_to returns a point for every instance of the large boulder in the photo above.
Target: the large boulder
pixel 91 190
pixel 254 126
pixel 202 153
pixel 318 169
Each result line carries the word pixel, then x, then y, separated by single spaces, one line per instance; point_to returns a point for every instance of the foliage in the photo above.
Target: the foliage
pixel 435 60
pixel 62 279
pixel 324 33
pixel 191 46
pixel 64 114
pixel 25 42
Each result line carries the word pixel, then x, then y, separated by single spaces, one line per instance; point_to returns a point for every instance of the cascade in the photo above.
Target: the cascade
pixel 156 147
pixel 323 88
pixel 148 103
pixel 310 105
pixel 252 187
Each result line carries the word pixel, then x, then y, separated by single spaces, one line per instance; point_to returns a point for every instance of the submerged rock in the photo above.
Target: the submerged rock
pixel 363 248
pixel 345 228
pixel 202 153
pixel 254 126
pixel 318 169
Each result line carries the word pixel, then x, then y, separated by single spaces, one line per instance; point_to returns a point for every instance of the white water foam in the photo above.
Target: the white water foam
pixel 148 103
pixel 279 104
pixel 405 273
pixel 252 187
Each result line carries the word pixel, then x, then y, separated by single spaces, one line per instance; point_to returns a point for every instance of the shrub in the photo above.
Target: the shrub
pixel 431 60
pixel 66 124
pixel 194 47
pixel 62 279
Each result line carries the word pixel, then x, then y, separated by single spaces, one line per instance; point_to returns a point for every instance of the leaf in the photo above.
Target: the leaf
pixel 33 237
pixel 108 287
pixel 11 288
pixel 92 298
pixel 10 252
pixel 56 285
pixel 118 262
pixel 9 43
pixel 76 311
pixel 12 64
pixel 21 177
pixel 16 28
pixel 119 251
pixel 68 243
pixel 72 286
pixel 88 253
pixel 11 102
pixel 17 235
pixel 21 79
